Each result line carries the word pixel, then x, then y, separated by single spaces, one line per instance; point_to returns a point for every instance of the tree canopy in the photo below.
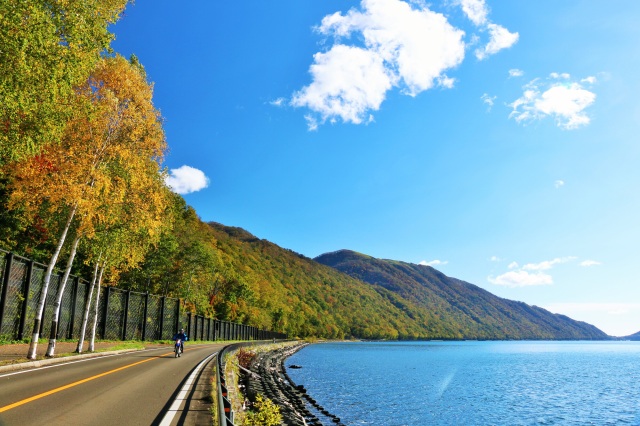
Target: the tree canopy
pixel 49 47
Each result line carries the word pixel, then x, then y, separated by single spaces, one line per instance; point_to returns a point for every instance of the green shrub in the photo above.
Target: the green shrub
pixel 264 413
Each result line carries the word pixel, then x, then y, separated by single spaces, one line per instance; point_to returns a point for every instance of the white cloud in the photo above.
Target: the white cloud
pixel 559 183
pixel 589 80
pixel 560 76
pixel 435 262
pixel 476 11
pixel 588 263
pixel 500 38
pixel 489 100
pixel 186 179
pixel 495 259
pixel 564 100
pixel 515 72
pixel 530 274
pixel 403 47
pixel 521 279
pixel 347 82
pixel 278 102
pixel 547 264
pixel 385 44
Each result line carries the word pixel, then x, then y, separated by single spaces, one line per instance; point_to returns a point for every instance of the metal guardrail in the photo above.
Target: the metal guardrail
pixel 225 412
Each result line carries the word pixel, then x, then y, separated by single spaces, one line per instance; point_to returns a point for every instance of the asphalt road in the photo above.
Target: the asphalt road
pixel 136 388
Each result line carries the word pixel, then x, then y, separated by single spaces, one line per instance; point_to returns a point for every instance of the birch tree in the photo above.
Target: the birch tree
pixel 61 288
pixel 108 161
pixel 87 307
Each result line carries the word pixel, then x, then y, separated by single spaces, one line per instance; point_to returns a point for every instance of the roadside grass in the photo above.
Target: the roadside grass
pixel 101 346
pixel 214 393
pixel 265 412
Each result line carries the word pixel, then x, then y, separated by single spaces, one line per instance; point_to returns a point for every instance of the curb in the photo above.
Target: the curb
pixel 61 360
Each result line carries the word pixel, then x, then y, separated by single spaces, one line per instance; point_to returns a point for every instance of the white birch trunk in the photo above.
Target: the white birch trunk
pixel 51 349
pixel 95 318
pixel 87 308
pixel 33 347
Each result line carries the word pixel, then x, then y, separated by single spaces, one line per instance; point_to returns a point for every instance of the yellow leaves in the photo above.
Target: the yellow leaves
pixel 107 164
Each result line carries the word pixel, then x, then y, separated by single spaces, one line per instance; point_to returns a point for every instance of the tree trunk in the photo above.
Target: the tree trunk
pixel 95 318
pixel 87 308
pixel 43 294
pixel 51 349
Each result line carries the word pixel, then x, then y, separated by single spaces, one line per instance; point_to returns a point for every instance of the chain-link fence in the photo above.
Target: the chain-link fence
pixel 122 314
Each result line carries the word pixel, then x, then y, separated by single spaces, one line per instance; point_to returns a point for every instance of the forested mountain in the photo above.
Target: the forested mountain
pixel 457 309
pixel 292 293
pixel 635 336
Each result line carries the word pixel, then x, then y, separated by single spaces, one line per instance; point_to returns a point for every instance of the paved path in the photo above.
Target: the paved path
pixel 138 387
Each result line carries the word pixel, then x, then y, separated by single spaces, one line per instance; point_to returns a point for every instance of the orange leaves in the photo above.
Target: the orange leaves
pixel 42 164
pixel 106 167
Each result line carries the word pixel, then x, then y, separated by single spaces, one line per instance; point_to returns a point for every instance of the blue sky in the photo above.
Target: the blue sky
pixel 496 141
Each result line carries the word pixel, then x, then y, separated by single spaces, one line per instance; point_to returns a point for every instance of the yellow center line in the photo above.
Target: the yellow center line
pixel 70 385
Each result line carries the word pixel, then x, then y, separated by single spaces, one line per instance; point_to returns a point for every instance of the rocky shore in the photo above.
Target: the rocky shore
pixel 268 376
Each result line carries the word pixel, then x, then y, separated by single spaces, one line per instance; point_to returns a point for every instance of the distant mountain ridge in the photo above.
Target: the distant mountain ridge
pixel 457 309
pixel 635 336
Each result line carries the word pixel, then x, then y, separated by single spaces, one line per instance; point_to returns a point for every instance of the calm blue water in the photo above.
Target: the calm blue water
pixel 474 383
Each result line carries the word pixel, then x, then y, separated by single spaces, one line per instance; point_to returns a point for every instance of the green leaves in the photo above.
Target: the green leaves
pixel 48 48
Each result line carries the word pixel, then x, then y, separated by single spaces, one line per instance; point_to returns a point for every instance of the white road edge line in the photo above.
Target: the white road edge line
pixel 175 406
pixel 62 364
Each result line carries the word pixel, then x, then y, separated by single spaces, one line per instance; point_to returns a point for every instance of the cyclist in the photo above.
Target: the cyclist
pixel 183 338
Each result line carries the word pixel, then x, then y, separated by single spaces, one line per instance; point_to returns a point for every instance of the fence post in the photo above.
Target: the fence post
pixel 25 303
pixel 74 302
pixel 105 315
pixel 176 326
pixel 144 318
pixel 52 291
pixel 189 325
pixel 126 315
pixel 5 285
pixel 162 316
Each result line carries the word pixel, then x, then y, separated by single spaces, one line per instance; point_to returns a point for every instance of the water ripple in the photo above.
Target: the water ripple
pixel 474 383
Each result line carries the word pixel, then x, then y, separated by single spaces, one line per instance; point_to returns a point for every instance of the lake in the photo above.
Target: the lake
pixel 473 383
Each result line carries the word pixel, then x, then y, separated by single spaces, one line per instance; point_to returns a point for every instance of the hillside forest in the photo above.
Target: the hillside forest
pixel 82 189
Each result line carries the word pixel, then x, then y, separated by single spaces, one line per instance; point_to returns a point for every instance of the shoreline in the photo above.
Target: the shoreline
pixel 269 377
